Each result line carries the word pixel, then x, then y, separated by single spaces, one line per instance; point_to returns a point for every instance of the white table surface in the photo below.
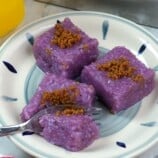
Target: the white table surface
pixel 34 11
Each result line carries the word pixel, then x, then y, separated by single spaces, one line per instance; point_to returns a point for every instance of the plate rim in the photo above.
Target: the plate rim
pixel 137 151
pixel 42 19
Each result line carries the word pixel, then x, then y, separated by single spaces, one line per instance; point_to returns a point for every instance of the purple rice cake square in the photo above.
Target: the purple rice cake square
pixel 65 49
pixel 119 78
pixel 55 90
pixel 74 132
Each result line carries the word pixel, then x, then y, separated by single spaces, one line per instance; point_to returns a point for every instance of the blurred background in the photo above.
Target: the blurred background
pixel 141 11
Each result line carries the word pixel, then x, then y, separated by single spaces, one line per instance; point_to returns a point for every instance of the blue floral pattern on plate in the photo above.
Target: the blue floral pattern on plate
pixel 121 144
pixel 10 67
pixel 30 38
pixel 142 49
pixel 150 124
pixel 26 133
pixel 105 27
pixel 8 99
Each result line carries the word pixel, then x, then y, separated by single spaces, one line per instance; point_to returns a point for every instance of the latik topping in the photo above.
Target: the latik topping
pixel 64 38
pixel 119 68
pixel 63 96
pixel 66 97
pixel 71 110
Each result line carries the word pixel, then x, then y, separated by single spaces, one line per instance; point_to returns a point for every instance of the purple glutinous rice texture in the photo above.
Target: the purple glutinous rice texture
pixel 65 62
pixel 52 82
pixel 122 93
pixel 74 133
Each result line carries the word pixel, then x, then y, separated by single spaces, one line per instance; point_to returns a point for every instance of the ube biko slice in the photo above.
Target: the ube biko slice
pixel 73 133
pixel 65 49
pixel 54 90
pixel 119 78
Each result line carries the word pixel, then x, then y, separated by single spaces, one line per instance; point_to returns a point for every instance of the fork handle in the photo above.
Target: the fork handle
pixel 9 130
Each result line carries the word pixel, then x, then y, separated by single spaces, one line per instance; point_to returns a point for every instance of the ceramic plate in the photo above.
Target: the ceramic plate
pixel 125 134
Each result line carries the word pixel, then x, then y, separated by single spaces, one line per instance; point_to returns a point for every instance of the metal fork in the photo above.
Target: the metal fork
pixel 33 123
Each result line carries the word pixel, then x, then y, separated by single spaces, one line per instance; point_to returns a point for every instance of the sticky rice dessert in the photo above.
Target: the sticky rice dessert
pixel 55 90
pixel 119 78
pixel 65 49
pixel 71 127
pixel 74 133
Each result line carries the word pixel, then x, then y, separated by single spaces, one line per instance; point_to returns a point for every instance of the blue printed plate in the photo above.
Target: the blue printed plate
pixel 125 134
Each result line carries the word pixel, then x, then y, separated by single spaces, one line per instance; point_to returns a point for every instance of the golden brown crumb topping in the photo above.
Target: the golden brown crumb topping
pixel 63 96
pixel 119 68
pixel 64 38
pixel 138 78
pixel 71 110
